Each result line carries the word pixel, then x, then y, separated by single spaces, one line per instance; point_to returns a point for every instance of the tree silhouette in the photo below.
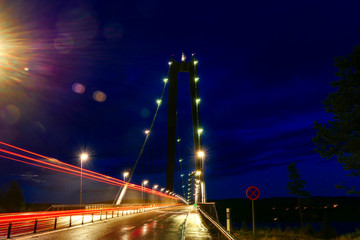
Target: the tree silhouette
pixel 2 198
pixel 296 187
pixel 340 138
pixel 14 200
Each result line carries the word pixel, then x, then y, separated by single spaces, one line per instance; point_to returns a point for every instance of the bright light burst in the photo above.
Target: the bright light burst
pixel 29 55
pixel 15 52
pixel 84 157
pixel 201 154
pixel 17 46
pixel 12 61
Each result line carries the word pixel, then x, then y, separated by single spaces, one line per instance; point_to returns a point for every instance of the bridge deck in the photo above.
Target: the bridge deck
pixel 194 228
pixel 172 223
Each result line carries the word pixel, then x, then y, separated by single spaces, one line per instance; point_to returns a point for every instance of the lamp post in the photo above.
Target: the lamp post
pixel 122 190
pixel 201 155
pixel 154 188
pixel 83 157
pixel 143 184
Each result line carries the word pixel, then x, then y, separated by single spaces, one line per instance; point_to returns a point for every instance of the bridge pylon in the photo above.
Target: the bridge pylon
pixel 174 68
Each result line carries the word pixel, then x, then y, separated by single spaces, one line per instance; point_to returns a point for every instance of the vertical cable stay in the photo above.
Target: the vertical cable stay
pixel 180 159
pixel 197 105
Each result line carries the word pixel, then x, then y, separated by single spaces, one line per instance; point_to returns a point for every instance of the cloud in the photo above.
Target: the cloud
pixel 32 177
pixel 264 149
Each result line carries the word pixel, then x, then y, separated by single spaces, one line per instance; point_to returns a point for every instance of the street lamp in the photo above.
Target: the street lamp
pixel 125 175
pixel 83 157
pixel 143 184
pixel 201 154
pixel 152 191
pixel 122 189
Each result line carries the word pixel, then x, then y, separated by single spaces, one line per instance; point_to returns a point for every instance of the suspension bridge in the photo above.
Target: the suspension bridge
pixel 138 211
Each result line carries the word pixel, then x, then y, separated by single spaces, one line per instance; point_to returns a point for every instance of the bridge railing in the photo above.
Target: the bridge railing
pixel 222 233
pixel 16 224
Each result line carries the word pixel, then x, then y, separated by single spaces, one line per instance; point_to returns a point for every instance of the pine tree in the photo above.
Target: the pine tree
pixel 296 187
pixel 14 199
pixel 2 198
pixel 340 137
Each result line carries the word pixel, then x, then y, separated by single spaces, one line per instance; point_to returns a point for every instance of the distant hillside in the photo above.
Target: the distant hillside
pixel 34 207
pixel 315 209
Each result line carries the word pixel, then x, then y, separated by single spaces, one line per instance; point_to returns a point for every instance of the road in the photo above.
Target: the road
pixel 178 223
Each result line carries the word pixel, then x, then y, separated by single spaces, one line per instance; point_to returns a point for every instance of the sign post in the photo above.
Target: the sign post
pixel 228 219
pixel 253 216
pixel 253 193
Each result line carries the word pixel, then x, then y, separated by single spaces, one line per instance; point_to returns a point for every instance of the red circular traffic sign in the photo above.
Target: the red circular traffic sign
pixel 252 193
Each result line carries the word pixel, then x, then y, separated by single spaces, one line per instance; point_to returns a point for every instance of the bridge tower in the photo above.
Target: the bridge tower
pixel 174 68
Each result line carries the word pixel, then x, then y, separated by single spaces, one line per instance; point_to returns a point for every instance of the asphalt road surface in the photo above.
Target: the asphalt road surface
pixel 176 223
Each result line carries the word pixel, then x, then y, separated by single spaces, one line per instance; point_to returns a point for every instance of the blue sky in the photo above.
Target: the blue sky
pixel 264 67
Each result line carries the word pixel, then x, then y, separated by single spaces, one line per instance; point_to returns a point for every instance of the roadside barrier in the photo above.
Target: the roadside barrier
pixel 220 229
pixel 17 224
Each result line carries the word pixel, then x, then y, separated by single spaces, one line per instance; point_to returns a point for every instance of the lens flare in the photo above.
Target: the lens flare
pixel 10 115
pixel 78 88
pixel 99 96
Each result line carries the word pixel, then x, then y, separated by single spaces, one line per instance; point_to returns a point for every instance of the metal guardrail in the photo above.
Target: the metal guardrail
pixel 17 224
pixel 217 225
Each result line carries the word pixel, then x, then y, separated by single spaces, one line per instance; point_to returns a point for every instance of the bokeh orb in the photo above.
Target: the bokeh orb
pixel 99 96
pixel 78 88
pixel 10 114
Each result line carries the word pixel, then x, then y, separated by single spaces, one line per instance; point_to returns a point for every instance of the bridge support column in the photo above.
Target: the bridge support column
pixel 171 135
pixel 174 69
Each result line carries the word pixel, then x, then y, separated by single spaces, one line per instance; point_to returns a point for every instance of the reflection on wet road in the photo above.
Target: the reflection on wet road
pixel 171 223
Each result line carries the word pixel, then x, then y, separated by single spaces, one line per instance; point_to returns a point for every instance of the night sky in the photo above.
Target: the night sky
pixel 264 66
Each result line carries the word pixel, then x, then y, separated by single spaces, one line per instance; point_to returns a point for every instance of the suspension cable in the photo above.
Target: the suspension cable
pixel 147 135
pixel 158 101
pixel 180 159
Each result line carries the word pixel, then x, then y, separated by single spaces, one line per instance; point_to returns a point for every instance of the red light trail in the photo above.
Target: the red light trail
pixel 73 170
pixel 12 217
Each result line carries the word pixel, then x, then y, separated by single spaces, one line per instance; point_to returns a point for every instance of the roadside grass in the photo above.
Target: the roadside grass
pixel 307 233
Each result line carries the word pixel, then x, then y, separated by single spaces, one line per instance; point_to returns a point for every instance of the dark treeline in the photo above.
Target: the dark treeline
pixel 11 198
pixel 315 209
pixel 278 218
